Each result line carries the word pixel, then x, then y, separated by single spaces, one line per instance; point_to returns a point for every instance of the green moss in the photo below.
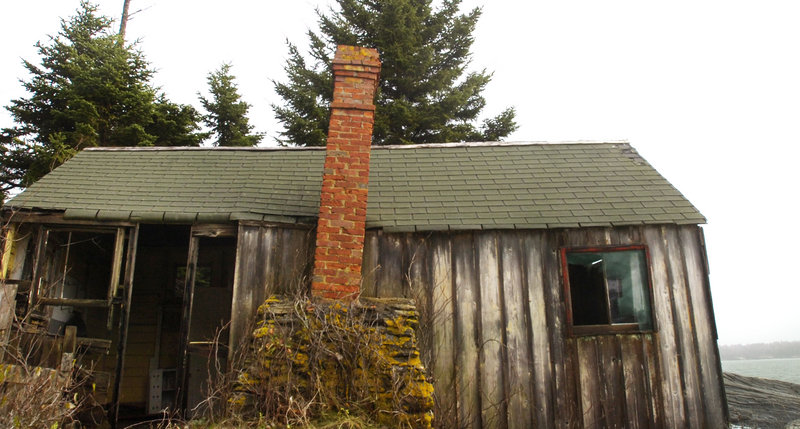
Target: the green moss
pixel 333 356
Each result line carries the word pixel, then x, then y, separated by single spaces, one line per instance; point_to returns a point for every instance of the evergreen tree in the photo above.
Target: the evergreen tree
pixel 424 94
pixel 90 90
pixel 175 124
pixel 227 113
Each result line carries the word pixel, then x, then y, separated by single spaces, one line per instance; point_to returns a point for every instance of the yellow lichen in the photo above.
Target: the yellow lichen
pixel 332 352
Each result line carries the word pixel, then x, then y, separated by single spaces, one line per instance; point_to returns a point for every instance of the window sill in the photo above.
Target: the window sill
pixel 618 328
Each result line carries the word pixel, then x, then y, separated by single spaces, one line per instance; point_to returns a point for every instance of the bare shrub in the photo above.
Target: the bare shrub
pixel 40 387
pixel 316 365
pixel 34 396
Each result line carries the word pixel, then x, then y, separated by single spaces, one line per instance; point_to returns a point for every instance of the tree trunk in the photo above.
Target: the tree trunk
pixel 124 21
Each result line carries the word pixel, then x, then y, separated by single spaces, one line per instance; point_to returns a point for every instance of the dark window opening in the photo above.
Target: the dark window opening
pixel 78 265
pixel 608 290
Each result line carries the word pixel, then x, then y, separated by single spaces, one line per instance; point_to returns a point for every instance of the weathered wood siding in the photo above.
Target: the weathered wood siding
pixel 494 331
pixel 269 260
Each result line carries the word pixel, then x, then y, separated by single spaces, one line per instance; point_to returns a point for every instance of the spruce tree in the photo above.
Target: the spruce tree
pixel 90 89
pixel 227 113
pixel 424 95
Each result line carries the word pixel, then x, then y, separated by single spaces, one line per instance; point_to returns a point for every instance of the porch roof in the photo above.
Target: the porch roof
pixel 420 187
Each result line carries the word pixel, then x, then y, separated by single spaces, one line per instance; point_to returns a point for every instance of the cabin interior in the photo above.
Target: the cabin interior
pixel 76 275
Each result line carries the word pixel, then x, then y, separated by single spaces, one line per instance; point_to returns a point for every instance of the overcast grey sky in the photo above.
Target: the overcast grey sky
pixel 707 91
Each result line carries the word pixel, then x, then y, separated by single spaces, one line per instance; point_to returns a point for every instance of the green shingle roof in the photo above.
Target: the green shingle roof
pixel 425 187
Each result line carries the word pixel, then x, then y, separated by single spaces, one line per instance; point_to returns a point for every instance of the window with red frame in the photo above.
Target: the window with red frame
pixel 608 290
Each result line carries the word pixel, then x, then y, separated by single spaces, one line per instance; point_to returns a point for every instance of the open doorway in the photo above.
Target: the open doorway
pixel 180 308
pixel 209 319
pixel 151 356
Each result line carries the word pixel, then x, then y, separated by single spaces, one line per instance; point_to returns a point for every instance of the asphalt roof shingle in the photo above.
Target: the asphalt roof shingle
pixel 424 187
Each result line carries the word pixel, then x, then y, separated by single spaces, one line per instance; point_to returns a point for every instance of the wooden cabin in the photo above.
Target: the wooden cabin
pixel 559 285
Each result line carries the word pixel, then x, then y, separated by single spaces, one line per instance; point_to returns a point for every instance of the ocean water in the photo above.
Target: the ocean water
pixel 776 369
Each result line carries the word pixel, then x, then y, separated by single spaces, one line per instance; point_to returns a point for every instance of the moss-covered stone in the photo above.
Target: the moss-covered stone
pixel 326 357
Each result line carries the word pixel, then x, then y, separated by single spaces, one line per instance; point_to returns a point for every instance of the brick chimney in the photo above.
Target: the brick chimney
pixel 343 201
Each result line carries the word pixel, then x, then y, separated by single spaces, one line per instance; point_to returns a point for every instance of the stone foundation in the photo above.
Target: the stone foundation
pixel 358 357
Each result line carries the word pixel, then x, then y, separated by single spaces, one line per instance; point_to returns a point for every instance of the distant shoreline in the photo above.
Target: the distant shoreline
pixel 776 350
pixel 760 358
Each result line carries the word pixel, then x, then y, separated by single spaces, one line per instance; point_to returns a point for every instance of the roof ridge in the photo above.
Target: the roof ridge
pixel 386 147
pixel 502 143
pixel 195 148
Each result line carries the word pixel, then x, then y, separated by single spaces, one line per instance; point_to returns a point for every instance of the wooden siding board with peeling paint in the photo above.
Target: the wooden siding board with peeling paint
pixel 491 342
pixel 542 380
pixel 441 318
pixel 667 349
pixel 517 333
pixel 467 324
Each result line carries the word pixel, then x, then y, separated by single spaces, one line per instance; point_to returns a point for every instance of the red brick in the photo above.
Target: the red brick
pixel 340 229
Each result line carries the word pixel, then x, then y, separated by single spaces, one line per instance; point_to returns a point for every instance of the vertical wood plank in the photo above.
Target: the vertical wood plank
pixel 415 249
pixel 491 341
pixel 612 395
pixel 369 264
pixel 685 328
pixel 268 259
pixel 19 252
pixel 637 407
pixel 389 279
pixel 253 249
pixel 468 375
pixel 542 379
pixel 563 351
pixel 310 240
pixel 653 381
pixel 185 330
pixel 418 288
pixel 8 301
pixel 518 361
pixel 671 386
pixel 37 265
pixel 284 261
pixel 590 388
pixel 9 244
pixel 696 281
pixel 293 258
pixel 441 321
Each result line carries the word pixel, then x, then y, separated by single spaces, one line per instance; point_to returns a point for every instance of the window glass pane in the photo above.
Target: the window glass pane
pixel 609 288
pixel 627 287
pixel 587 289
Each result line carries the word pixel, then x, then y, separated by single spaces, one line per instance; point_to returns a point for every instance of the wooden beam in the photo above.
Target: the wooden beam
pixel 188 292
pixel 51 218
pixel 73 302
pixel 70 339
pixel 214 230
pixel 8 300
pixel 116 266
pixel 8 248
pixel 124 320
pixel 41 244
